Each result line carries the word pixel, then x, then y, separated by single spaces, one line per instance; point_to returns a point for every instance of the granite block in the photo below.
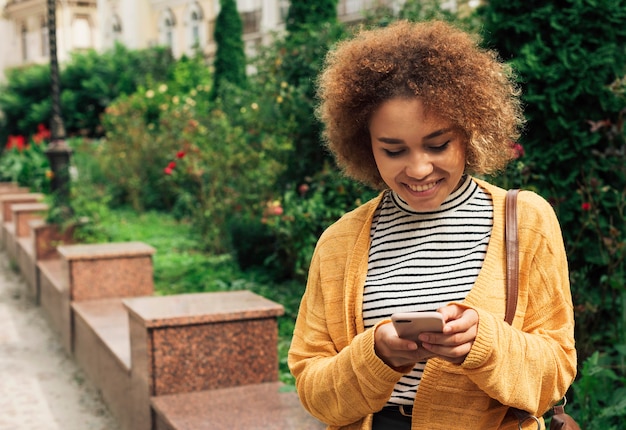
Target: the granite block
pixel 47 237
pixel 12 188
pixel 250 407
pixel 99 271
pixel 22 213
pixel 199 341
pixel 216 355
pixel 8 188
pixel 6 200
pixel 106 250
pixel 200 308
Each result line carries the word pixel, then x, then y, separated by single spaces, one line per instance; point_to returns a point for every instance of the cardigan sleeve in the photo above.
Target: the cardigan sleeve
pixel 339 380
pixel 531 364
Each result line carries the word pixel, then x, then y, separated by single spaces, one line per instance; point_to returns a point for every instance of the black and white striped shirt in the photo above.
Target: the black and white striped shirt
pixel 420 261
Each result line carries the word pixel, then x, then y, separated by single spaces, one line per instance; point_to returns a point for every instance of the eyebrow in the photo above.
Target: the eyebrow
pixel 430 136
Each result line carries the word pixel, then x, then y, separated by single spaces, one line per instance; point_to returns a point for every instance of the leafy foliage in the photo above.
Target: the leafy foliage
pixel 596 407
pixel 24 100
pixel 294 62
pixel 294 222
pixel 310 14
pixel 24 161
pixel 90 81
pixel 567 57
pixel 28 167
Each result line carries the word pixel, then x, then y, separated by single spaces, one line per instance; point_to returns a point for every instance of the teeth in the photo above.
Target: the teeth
pixel 421 188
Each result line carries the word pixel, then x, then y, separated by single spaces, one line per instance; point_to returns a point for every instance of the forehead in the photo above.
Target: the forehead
pixel 405 112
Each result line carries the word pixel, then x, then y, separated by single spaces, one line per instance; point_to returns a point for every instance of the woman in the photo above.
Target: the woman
pixel 415 110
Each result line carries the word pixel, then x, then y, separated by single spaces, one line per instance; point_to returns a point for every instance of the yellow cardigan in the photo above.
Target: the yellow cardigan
pixel 528 365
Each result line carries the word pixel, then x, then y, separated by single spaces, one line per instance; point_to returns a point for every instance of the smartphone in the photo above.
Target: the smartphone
pixel 409 325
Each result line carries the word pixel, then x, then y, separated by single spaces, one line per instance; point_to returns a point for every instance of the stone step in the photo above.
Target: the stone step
pixel 250 407
pixel 25 257
pixel 101 346
pixel 54 298
pixel 107 319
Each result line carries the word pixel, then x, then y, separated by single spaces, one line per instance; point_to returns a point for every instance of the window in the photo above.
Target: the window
pixel 251 21
pixel 196 32
pixel 116 27
pixel 284 9
pixel 81 32
pixel 168 22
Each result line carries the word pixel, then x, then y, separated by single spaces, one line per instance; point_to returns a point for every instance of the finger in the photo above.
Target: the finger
pixel 449 340
pixel 455 353
pixel 462 322
pixel 451 312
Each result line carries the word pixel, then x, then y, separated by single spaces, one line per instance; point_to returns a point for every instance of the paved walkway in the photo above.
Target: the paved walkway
pixel 41 387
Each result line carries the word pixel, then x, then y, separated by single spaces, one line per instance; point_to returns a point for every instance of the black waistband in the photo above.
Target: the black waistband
pixel 400 413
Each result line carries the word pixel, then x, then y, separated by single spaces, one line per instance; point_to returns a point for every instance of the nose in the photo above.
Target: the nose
pixel 419 166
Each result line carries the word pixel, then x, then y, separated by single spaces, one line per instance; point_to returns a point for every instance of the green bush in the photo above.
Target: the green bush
pixel 287 230
pixel 294 62
pixel 24 100
pixel 304 14
pixel 89 82
pixel 219 170
pixel 135 148
pixel 567 54
pixel 596 407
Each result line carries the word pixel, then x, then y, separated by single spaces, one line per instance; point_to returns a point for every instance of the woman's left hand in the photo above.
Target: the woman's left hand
pixel 458 335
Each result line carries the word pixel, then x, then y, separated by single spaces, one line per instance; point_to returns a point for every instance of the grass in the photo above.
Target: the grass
pixel 179 267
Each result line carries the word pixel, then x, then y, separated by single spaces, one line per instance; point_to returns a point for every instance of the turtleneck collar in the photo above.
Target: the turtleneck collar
pixel 457 198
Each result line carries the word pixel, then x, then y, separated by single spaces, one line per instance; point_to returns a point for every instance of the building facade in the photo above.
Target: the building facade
pixel 183 25
pixel 24 30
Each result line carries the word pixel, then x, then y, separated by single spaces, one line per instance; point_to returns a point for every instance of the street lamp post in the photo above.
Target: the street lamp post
pixel 58 151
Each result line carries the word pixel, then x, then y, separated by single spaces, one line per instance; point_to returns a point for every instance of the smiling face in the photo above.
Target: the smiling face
pixel 421 157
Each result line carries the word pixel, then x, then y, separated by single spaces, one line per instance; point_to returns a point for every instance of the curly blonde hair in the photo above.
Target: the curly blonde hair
pixel 445 67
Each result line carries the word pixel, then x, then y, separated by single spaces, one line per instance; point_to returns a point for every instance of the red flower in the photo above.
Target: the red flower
pixel 180 154
pixel 586 206
pixel 17 142
pixel 42 134
pixel 303 188
pixel 518 150
pixel 167 171
pixel 171 165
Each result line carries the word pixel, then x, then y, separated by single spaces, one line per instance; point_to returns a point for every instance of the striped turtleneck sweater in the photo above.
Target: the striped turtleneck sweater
pixel 421 261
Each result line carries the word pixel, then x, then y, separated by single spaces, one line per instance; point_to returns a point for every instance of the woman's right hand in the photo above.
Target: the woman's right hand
pixel 397 352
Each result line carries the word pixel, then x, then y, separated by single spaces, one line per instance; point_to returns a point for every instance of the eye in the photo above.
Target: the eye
pixel 440 148
pixel 393 154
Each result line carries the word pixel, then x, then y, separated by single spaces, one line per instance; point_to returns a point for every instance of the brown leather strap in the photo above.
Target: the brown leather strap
pixel 560 420
pixel 512 255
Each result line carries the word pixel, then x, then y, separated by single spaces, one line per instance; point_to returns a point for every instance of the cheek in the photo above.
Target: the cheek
pixel 456 161
pixel 386 166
